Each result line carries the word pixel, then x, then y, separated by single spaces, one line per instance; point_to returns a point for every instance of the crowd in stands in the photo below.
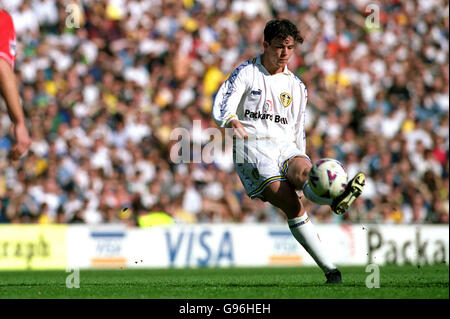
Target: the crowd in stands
pixel 104 83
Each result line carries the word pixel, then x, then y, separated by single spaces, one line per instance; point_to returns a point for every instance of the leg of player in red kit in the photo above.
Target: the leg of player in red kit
pixel 282 194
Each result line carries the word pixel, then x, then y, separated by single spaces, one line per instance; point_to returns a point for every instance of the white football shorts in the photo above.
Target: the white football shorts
pixel 261 161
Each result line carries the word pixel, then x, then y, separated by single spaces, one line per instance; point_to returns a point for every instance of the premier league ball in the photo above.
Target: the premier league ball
pixel 328 178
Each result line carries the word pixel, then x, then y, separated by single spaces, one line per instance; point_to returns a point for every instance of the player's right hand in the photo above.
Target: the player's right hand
pixel 238 129
pixel 23 141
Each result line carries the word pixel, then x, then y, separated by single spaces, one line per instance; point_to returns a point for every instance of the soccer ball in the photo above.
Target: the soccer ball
pixel 328 178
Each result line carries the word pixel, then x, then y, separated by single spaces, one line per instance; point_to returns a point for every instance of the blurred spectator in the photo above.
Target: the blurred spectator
pixel 103 99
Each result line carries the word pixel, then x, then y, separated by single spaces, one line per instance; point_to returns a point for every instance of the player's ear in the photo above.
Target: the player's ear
pixel 265 44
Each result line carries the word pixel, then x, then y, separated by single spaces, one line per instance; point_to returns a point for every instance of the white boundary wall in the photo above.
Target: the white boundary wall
pixel 225 245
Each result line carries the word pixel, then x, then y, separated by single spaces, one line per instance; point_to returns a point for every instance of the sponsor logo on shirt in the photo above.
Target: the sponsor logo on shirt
pixel 267 106
pixel 266 116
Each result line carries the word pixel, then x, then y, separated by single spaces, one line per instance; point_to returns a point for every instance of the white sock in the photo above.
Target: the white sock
pixel 304 231
pixel 315 198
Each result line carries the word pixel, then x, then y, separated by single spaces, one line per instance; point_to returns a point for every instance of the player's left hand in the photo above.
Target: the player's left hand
pixel 238 129
pixel 23 141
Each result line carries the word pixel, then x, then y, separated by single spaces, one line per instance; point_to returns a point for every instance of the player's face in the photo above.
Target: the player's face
pixel 279 51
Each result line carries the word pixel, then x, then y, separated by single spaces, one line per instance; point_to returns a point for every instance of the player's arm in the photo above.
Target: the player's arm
pixel 300 137
pixel 10 93
pixel 227 101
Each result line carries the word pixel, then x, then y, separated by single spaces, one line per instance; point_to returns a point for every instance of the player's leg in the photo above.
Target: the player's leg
pixel 297 174
pixel 298 171
pixel 282 195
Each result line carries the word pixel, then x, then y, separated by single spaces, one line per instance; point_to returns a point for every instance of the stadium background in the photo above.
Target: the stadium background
pixel 103 97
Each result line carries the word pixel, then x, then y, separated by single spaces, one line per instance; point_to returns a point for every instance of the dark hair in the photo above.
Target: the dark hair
pixel 281 28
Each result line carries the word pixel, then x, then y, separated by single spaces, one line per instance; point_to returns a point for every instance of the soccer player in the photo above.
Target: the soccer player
pixel 8 86
pixel 264 104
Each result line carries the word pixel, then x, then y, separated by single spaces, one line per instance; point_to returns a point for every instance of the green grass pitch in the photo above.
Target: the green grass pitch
pixel 235 283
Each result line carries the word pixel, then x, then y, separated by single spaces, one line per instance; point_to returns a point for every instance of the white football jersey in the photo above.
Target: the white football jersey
pixel 268 106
